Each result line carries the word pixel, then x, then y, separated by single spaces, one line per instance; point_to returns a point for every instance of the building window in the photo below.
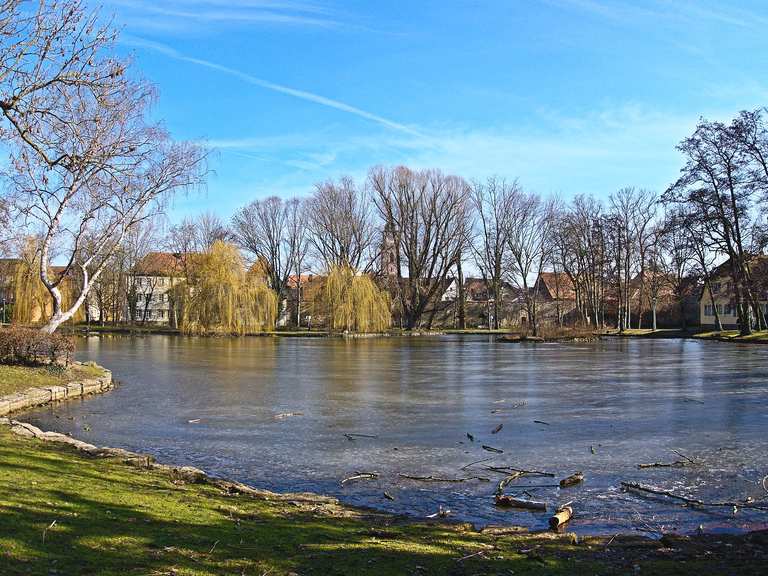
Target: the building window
pixel 708 310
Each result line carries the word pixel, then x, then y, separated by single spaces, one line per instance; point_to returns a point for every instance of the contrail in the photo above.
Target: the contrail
pixel 250 79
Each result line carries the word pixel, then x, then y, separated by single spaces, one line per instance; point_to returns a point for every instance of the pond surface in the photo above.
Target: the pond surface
pixel 602 408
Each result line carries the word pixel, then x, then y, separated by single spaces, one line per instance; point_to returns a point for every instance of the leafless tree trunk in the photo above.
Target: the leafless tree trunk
pixel 529 230
pixel 722 181
pixel 428 213
pixel 340 225
pixel 84 161
pixel 492 203
pixel 273 232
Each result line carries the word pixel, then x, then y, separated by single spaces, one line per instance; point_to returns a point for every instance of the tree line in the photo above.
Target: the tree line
pixel 89 175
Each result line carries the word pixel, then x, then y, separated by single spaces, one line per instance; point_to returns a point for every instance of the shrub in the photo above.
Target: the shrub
pixel 31 347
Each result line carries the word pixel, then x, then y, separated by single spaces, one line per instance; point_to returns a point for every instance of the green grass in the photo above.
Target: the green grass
pixel 18 378
pixel 733 335
pixel 64 513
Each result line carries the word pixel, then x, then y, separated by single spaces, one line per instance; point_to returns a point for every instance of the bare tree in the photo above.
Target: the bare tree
pixel 675 250
pixel 719 181
pixel 209 228
pixel 427 212
pixel 580 252
pixel 629 220
pixel 492 201
pixel 84 161
pixel 299 242
pixel 529 240
pixel 646 234
pixel 272 231
pixel 340 224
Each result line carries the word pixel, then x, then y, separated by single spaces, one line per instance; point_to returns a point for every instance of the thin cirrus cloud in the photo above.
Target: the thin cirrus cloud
pixel 176 14
pixel 679 12
pixel 255 81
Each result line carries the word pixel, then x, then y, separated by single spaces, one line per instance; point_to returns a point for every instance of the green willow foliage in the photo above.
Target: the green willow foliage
pixel 220 297
pixel 32 302
pixel 354 303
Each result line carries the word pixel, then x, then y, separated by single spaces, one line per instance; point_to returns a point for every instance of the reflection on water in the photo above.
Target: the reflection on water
pixel 607 406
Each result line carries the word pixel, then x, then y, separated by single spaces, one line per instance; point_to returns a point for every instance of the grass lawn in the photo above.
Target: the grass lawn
pixel 18 378
pixel 733 335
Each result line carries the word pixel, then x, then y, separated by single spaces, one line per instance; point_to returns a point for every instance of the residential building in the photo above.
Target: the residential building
pixel 150 288
pixel 723 298
pixel 555 286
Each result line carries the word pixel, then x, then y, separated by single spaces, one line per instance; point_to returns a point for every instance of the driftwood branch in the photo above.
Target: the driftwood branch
pixel 572 480
pixel 510 502
pixel 353 435
pixel 477 462
pixel 439 479
pixel 690 501
pixel 509 470
pixel 675 464
pixel 360 476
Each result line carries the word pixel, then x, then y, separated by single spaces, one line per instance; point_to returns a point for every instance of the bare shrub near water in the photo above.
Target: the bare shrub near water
pixel 30 347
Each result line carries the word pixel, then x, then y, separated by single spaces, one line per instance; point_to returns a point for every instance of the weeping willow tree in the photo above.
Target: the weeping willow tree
pixel 31 300
pixel 220 297
pixel 354 303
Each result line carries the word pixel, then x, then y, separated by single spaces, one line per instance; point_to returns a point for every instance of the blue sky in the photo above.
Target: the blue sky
pixel 569 96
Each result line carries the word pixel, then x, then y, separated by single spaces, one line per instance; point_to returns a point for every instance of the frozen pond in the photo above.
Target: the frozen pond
pixel 603 408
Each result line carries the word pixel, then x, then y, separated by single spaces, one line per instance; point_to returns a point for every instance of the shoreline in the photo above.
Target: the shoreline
pixel 502 335
pixel 551 546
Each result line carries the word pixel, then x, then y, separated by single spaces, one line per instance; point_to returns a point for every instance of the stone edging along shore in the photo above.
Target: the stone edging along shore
pixel 32 397
pixel 41 396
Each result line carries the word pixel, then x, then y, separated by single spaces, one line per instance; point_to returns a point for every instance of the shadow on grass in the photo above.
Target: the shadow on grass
pixel 61 513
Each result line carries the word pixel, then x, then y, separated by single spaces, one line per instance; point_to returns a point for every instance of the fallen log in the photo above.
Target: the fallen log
pixel 675 464
pixel 510 470
pixel 441 513
pixel 492 449
pixel 497 429
pixel 561 517
pixel 284 415
pixel 477 462
pixel 691 460
pixel 572 480
pixel 503 483
pixel 353 435
pixel 360 476
pixel 690 501
pixel 510 502
pixel 438 479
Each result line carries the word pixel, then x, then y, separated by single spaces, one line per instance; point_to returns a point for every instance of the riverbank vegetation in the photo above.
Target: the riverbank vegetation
pixel 221 297
pixel 354 303
pixel 18 378
pixel 734 336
